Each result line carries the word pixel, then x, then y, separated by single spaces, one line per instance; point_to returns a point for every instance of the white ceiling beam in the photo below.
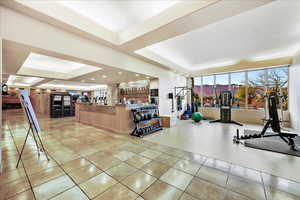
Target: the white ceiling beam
pixel 214 12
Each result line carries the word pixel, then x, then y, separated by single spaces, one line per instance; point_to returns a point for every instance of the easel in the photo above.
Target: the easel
pixel 33 129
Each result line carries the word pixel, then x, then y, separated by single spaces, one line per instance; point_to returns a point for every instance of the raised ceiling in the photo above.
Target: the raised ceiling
pixel 118 16
pixel 55 69
pixel 270 31
pixel 50 67
pixel 25 81
pixel 179 35
pixel 186 36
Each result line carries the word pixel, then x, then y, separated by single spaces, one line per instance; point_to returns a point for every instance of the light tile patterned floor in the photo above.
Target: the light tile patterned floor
pixel 89 163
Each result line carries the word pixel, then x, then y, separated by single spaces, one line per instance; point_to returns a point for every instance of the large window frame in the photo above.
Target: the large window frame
pixel 246 84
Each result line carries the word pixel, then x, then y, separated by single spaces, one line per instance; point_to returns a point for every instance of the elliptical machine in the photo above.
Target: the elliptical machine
pixel 225 109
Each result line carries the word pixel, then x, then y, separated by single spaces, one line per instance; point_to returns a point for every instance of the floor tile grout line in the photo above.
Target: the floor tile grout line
pixel 130 175
pixel 103 171
pixel 23 165
pixel 265 190
pixel 75 184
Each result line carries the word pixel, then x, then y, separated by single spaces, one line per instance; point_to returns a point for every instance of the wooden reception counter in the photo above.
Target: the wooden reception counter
pixel 117 118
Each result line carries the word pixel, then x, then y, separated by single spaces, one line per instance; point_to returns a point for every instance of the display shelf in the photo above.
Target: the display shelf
pixel 146 126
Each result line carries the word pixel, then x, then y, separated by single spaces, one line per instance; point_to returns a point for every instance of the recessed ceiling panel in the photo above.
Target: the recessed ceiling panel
pixel 70 85
pixel 116 16
pixel 50 67
pixel 269 31
pixel 22 80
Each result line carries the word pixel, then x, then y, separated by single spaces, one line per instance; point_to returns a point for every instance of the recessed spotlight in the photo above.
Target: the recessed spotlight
pixel 82 81
pixel 104 76
pixel 137 75
pixel 147 77
pixel 120 73
pixel 92 79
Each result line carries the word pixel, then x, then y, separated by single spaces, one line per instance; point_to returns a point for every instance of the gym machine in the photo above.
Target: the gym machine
pixel 225 109
pixel 272 122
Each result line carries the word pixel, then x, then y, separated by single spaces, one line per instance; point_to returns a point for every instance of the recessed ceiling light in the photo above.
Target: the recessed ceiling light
pixel 104 76
pixel 92 79
pixel 120 73
pixel 82 81
pixel 137 75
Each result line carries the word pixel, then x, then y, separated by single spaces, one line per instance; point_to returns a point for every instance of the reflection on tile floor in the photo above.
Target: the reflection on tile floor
pixel 89 163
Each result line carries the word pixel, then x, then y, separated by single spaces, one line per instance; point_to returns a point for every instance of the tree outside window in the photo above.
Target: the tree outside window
pixel 238 89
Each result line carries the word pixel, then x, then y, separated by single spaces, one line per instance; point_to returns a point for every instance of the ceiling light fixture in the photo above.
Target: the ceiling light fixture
pixel 137 75
pixel 92 79
pixel 104 76
pixel 120 73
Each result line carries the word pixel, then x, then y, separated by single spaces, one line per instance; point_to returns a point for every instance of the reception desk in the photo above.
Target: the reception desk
pixel 117 119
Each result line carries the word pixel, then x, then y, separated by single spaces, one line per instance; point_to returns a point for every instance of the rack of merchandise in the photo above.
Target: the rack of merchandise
pixel 146 120
pixel 138 93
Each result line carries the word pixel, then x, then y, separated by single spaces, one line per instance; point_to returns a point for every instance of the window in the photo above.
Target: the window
pixel 278 85
pixel 197 90
pixel 222 83
pixel 257 81
pixel 208 91
pixel 248 88
pixel 238 89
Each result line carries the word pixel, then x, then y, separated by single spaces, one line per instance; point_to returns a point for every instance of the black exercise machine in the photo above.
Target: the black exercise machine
pixel 274 123
pixel 225 109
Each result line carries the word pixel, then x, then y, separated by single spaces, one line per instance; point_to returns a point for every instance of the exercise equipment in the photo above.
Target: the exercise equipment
pixel 197 116
pixel 180 93
pixel 274 123
pixel 236 138
pixel 225 109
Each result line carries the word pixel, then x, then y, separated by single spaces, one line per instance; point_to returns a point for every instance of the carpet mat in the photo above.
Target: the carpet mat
pixel 274 144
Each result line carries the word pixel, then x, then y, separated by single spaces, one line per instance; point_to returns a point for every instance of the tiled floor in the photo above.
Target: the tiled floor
pixel 215 140
pixel 89 163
